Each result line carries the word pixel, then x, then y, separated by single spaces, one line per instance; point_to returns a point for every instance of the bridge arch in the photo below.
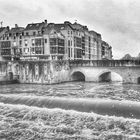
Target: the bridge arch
pixel 109 76
pixel 78 76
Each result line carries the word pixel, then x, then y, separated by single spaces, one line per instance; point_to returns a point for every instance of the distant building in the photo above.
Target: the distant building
pixel 106 51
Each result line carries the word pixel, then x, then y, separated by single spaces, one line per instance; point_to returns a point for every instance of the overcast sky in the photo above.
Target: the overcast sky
pixel 117 20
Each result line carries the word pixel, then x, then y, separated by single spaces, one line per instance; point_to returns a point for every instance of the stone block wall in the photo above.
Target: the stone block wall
pixel 43 72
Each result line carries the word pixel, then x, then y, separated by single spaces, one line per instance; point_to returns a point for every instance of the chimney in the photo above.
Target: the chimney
pixel 16 26
pixel 8 28
pixel 45 20
pixel 46 23
pixel 67 22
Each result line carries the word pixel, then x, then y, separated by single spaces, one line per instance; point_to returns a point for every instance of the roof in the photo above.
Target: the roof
pixel 3 28
pixel 34 26
pixel 16 29
pixel 105 43
pixel 56 27
pixel 78 26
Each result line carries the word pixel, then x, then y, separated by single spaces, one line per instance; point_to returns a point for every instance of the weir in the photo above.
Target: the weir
pixel 126 109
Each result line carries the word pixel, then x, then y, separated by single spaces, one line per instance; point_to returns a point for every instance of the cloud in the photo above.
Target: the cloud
pixel 117 20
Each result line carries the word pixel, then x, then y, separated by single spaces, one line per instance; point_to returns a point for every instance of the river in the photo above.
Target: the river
pixel 21 121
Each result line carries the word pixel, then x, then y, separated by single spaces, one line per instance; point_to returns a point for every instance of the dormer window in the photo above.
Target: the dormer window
pixel 62 28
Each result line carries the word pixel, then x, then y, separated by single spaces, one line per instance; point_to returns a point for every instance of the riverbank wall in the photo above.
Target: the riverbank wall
pixel 34 72
pixel 43 72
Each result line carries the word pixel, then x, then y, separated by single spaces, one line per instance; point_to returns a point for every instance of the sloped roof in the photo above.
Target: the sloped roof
pixel 16 29
pixel 1 29
pixel 78 26
pixel 34 26
pixel 56 27
pixel 105 43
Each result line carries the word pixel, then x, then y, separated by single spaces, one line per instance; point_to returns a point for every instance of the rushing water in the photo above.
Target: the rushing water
pixel 37 123
pixel 116 91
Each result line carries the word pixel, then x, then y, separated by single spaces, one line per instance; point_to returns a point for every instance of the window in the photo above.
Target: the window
pixel 33 42
pixel 53 41
pixel 38 42
pixel 34 33
pixel 69 52
pixel 68 42
pixel 45 40
pixel 26 42
pixel 20 42
pixel 60 42
pixel 39 32
pixel 27 33
pixel 14 43
pixel 33 50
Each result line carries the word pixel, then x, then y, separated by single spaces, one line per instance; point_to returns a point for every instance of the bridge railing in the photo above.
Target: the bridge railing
pixel 105 63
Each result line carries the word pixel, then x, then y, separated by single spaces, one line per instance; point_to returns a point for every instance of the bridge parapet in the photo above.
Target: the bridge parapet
pixel 105 63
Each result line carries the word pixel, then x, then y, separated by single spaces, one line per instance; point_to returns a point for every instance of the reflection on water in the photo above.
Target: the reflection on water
pixel 117 91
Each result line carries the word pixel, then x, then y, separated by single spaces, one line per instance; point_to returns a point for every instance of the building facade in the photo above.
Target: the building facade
pixel 51 41
pixel 106 51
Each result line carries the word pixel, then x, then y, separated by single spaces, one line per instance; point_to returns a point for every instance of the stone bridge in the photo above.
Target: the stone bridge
pixel 48 72
pixel 127 71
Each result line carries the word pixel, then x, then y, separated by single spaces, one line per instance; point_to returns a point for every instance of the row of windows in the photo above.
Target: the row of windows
pixel 36 50
pixel 57 50
pixel 69 43
pixel 6 52
pixel 77 53
pixel 77 42
pixel 37 42
pixel 5 44
pixel 57 41
pixel 70 53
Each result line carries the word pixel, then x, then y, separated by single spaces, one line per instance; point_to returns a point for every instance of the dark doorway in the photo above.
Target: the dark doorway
pixel 10 75
pixel 78 76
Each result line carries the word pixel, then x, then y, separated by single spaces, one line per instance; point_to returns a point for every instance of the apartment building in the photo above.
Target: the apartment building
pixel 106 51
pixel 10 43
pixel 51 41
